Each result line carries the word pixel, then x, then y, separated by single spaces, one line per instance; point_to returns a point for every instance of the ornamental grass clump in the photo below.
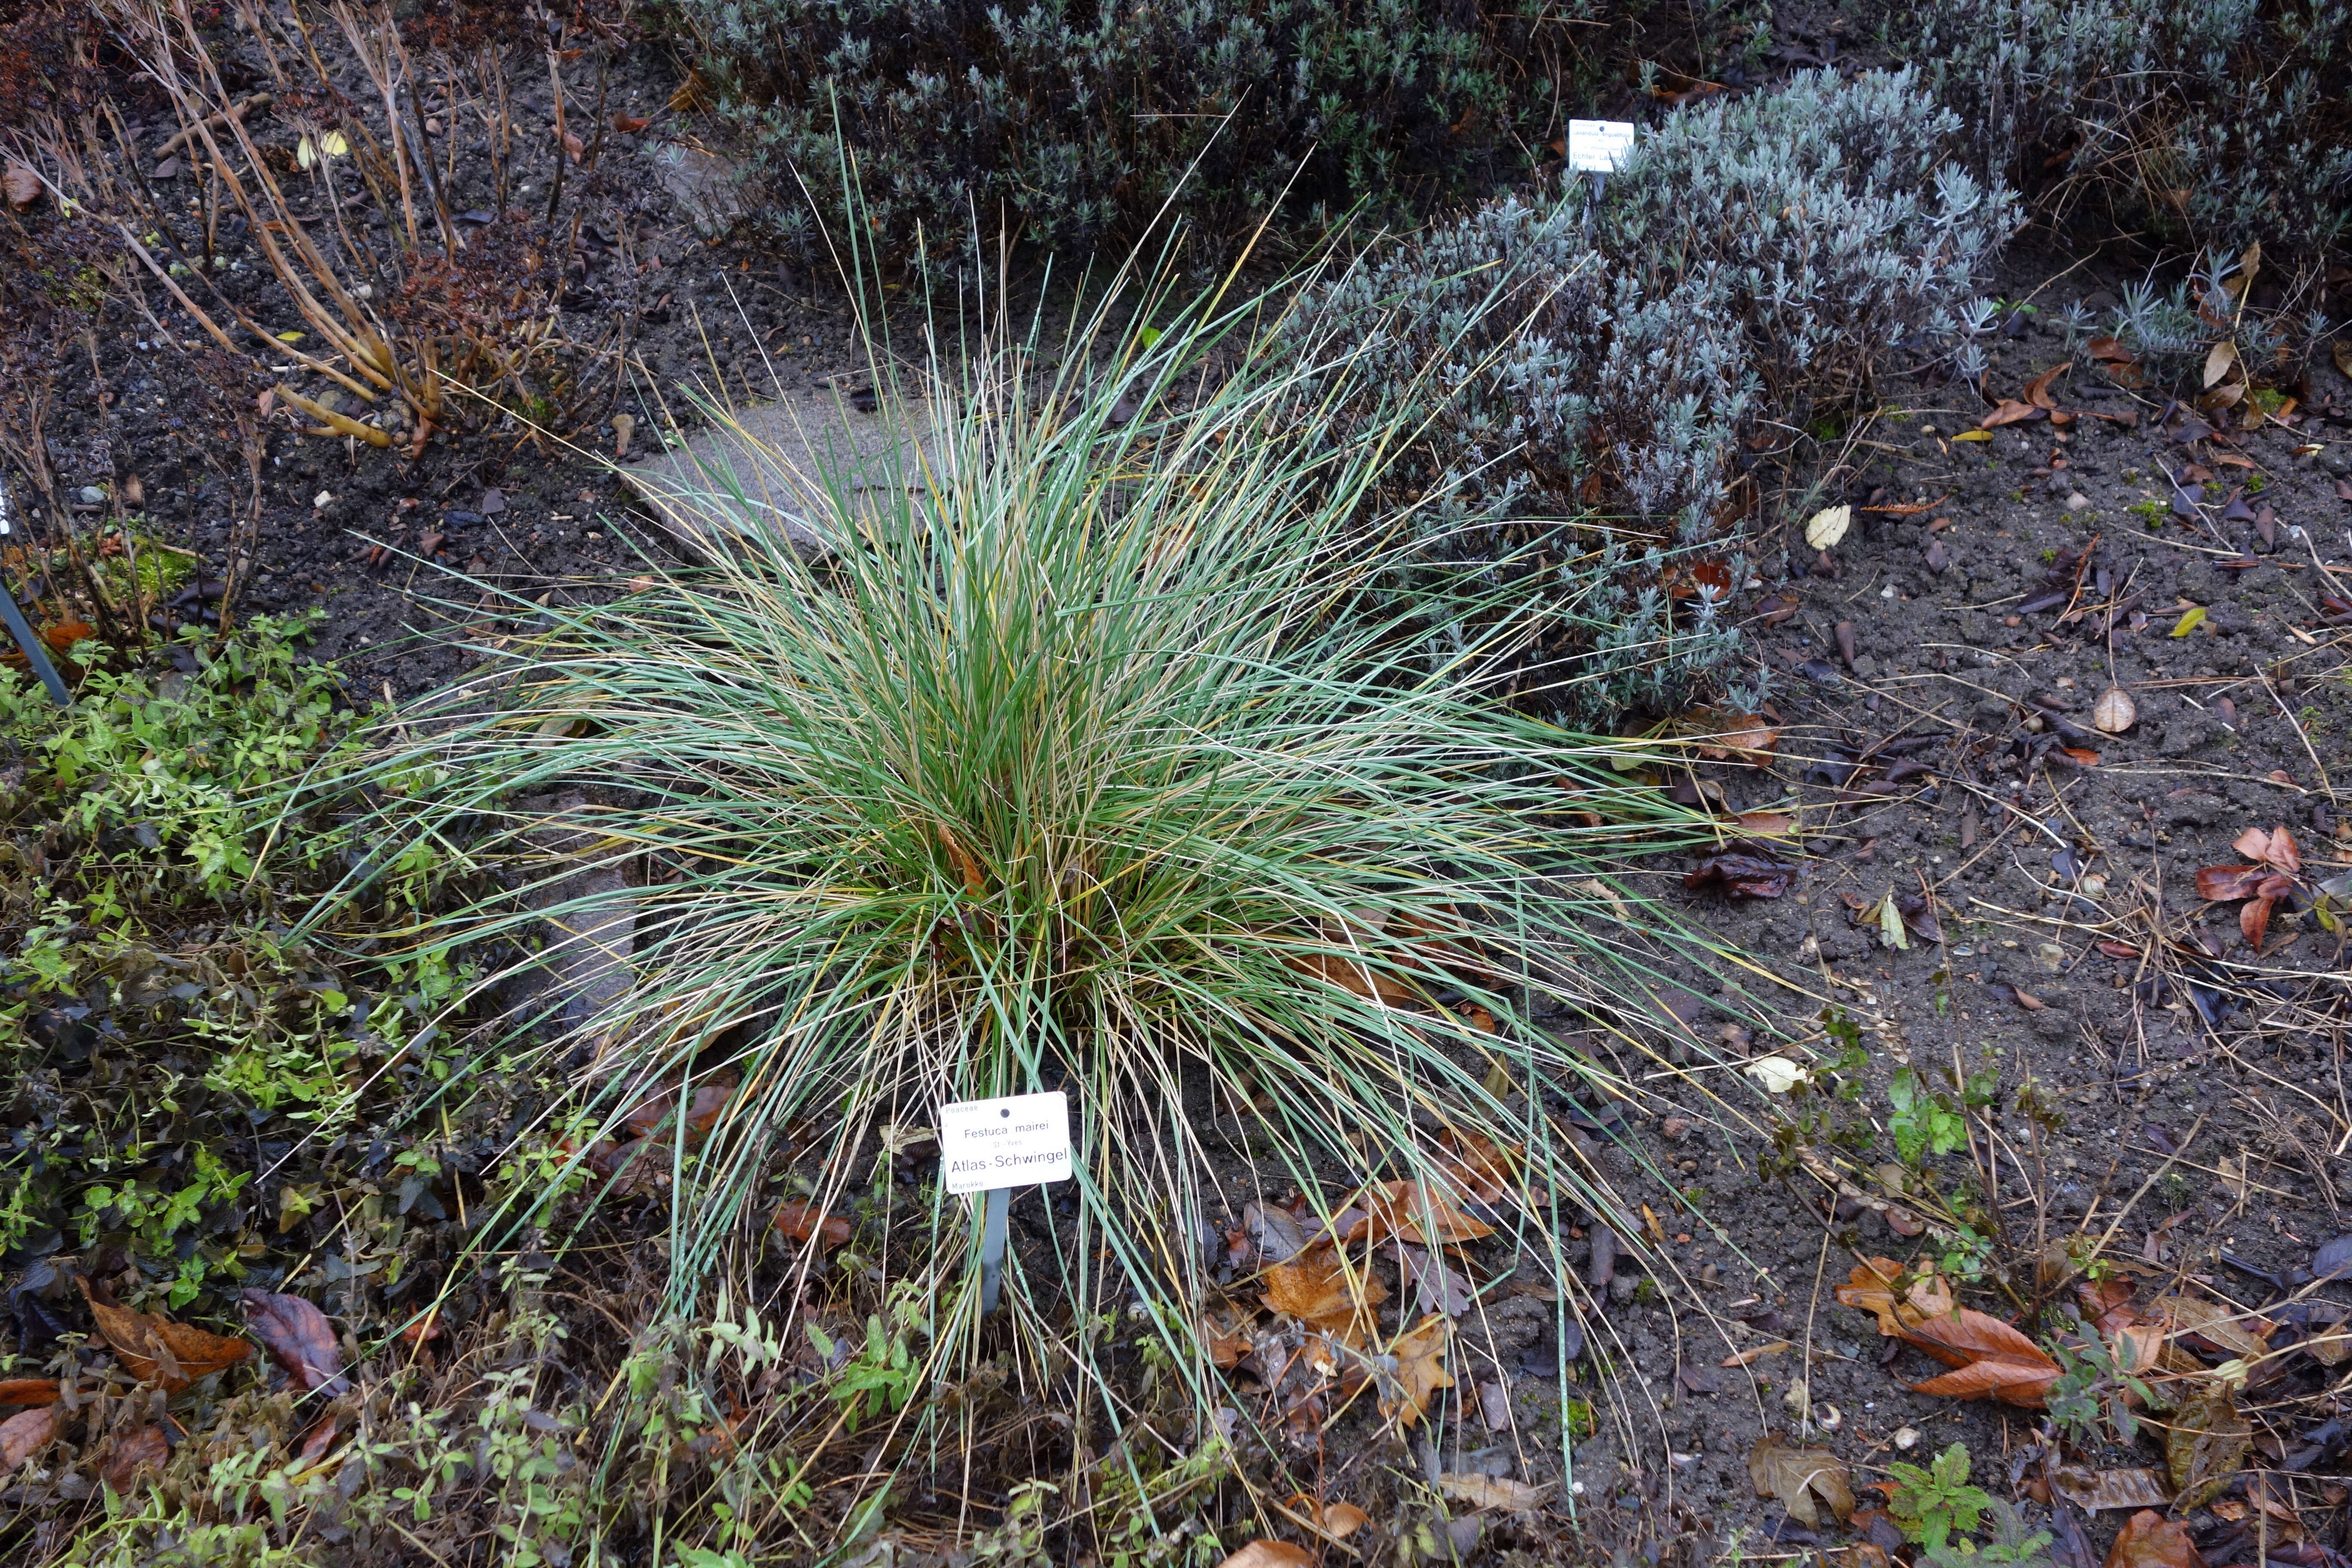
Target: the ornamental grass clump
pixel 1071 761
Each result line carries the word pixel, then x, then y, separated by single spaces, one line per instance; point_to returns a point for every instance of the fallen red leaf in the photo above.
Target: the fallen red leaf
pixel 629 125
pixel 2222 883
pixel 2119 949
pixel 803 1221
pixel 2253 920
pixel 298 1338
pixel 154 1349
pixel 138 1450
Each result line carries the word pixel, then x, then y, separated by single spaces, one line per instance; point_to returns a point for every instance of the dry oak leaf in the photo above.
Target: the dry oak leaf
pixel 154 1349
pixel 298 1338
pixel 1318 1288
pixel 23 1435
pixel 1489 1491
pixel 2149 1540
pixel 1264 1554
pixel 140 1449
pixel 803 1221
pixel 1412 1211
pixel 1804 1479
pixel 1419 1369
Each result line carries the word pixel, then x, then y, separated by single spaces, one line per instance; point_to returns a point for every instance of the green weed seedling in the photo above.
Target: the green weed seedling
pixel 1925 1120
pixel 1932 1505
pixel 2010 1545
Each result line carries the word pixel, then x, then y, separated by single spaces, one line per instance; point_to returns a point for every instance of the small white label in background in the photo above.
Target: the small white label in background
pixel 1008 1143
pixel 1597 146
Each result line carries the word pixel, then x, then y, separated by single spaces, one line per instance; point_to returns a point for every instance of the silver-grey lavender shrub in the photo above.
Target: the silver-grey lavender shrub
pixel 2206 123
pixel 1833 214
pixel 1755 259
pixel 1070 125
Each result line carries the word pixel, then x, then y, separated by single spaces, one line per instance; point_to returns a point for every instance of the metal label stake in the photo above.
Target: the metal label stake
pixel 992 1146
pixel 21 629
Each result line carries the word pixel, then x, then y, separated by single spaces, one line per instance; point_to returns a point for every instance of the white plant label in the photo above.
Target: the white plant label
pixel 1008 1143
pixel 1598 146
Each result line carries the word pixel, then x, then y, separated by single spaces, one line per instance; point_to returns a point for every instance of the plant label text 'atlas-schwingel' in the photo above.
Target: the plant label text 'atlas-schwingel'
pixel 1007 1143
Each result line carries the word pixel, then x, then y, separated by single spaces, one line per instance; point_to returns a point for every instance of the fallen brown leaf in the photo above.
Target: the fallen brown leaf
pixel 2010 411
pixel 1741 876
pixel 1412 1211
pixel 630 124
pixel 1264 1554
pixel 1755 1353
pixel 23 185
pixel 1990 1358
pixel 1318 1288
pixel 1337 1520
pixel 1490 1492
pixel 1421 1372
pixel 2037 391
pixel 2205 1445
pixel 2149 1540
pixel 1806 1481
pixel 29 1391
pixel 2097 1491
pixel 23 1434
pixel 154 1349
pixel 2276 847
pixel 1225 1335
pixel 141 1449
pixel 1349 975
pixel 298 1338
pixel 803 1221
pixel 1480 1170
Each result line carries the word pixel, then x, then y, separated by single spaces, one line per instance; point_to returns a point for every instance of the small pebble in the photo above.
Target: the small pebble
pixel 1906 1438
pixel 2078 502
pixel 93 496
